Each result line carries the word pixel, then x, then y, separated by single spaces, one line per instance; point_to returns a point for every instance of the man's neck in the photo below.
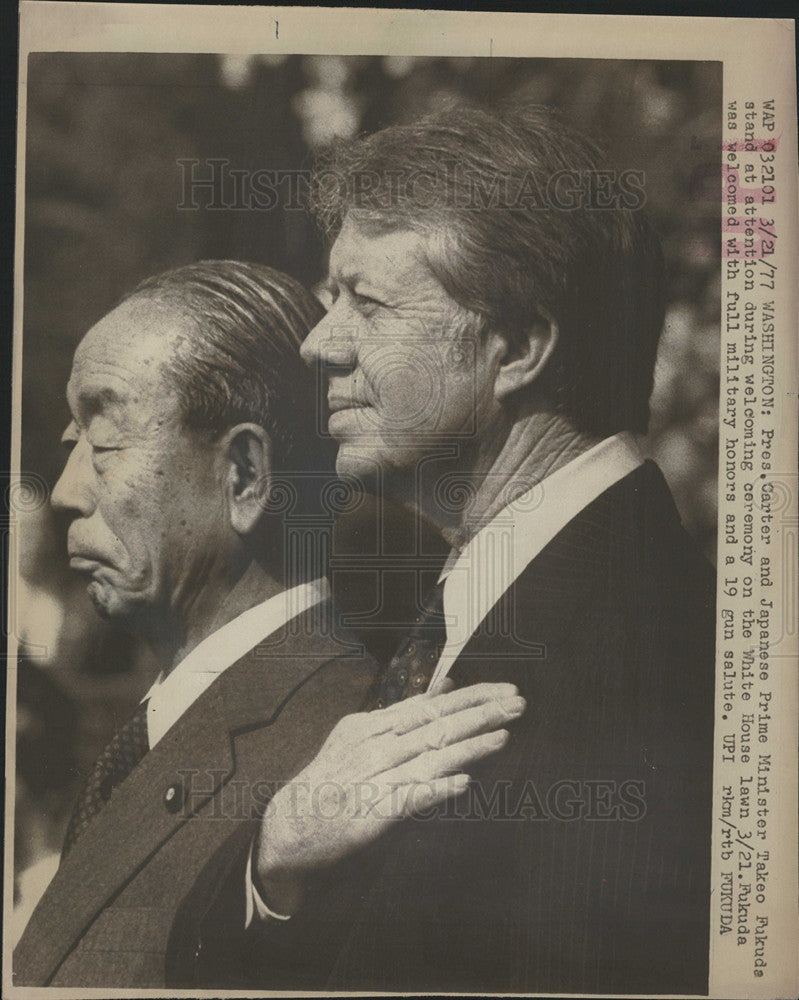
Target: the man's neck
pixel 515 460
pixel 218 603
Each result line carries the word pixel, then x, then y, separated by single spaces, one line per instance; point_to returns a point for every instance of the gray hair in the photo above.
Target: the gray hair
pixel 522 219
pixel 242 362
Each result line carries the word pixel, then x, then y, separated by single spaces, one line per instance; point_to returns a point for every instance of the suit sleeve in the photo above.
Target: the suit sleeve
pixel 212 947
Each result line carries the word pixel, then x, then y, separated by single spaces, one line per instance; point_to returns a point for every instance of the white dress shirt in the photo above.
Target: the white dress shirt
pixel 172 694
pixel 490 562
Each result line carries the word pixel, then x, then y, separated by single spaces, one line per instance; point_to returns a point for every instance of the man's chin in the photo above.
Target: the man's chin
pixel 108 603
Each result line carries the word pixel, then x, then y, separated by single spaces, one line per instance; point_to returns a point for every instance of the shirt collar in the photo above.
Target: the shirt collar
pixel 172 694
pixel 492 560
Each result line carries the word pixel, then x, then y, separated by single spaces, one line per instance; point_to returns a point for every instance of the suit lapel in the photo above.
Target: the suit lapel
pixel 135 822
pixel 256 689
pixel 189 765
pixel 538 613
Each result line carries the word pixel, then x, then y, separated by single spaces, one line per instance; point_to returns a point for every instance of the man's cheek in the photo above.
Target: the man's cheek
pixel 137 507
pixel 135 502
pixel 411 401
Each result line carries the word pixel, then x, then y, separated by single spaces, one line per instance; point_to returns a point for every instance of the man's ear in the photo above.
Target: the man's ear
pixel 526 356
pixel 248 458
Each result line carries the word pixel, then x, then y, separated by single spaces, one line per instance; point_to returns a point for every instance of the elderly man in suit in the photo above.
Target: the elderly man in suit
pixel 495 306
pixel 194 489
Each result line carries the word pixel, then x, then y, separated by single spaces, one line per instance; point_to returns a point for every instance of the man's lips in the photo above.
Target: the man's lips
pixel 338 403
pixel 85 560
pixel 84 564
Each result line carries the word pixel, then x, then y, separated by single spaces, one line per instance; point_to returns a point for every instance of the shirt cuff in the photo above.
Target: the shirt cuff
pixel 255 906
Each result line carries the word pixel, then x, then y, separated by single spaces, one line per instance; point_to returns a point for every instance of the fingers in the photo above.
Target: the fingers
pixel 423 709
pixel 434 764
pixel 419 710
pixel 414 799
pixel 460 725
pixel 390 751
pixel 420 728
pixel 430 779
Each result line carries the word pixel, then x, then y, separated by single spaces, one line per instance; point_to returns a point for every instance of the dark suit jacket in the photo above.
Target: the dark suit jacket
pixel 105 919
pixel 580 859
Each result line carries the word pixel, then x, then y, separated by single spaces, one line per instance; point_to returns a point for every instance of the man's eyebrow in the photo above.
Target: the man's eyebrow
pixel 351 278
pixel 92 400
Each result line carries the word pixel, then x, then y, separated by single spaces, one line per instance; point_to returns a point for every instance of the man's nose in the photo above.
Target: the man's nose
pixel 74 490
pixel 330 342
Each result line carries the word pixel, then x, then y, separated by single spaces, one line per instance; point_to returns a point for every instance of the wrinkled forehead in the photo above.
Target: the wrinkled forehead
pixel 125 358
pixel 379 253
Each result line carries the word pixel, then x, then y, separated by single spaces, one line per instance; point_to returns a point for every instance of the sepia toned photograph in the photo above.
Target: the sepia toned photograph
pixel 374 611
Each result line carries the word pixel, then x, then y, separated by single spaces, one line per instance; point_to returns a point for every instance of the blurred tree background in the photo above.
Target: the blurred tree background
pixel 104 190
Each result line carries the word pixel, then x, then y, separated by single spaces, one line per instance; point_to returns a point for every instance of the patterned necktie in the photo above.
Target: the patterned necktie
pixel 412 667
pixel 111 768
